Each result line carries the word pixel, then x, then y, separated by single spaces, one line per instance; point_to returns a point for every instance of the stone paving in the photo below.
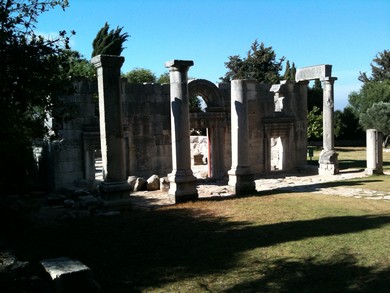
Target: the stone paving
pixel 316 184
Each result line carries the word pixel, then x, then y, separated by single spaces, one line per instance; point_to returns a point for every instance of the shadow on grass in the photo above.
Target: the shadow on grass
pixel 140 249
pixel 340 274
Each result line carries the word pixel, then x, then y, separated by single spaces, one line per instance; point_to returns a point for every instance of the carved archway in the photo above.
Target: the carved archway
pixel 208 91
pixel 214 119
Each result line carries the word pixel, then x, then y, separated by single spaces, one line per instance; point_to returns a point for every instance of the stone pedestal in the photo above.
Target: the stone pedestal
pixel 374 152
pixel 328 157
pixel 111 129
pixel 240 176
pixel 182 181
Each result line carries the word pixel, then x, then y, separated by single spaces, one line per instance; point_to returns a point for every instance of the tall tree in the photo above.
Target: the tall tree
pixel 260 64
pixel 289 73
pixel 109 42
pixel 33 73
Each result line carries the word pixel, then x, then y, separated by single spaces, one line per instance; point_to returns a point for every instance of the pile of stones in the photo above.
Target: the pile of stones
pixel 50 275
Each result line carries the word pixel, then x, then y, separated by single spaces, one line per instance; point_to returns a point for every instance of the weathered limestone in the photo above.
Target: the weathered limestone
pixel 111 128
pixel 328 157
pixel 374 152
pixel 240 176
pixel 70 275
pixel 320 72
pixel 182 181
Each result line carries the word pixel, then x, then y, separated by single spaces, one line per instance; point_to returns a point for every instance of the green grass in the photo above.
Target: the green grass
pixel 291 242
pixel 352 157
pixel 286 242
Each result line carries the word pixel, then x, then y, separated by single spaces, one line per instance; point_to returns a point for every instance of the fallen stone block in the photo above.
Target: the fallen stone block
pixel 153 183
pixel 70 275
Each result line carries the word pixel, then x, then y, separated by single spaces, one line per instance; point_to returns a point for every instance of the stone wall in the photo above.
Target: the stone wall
pixel 64 156
pixel 147 128
pixel 273 112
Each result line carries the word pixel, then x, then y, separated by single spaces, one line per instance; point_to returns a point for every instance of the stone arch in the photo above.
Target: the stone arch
pixel 207 90
pixel 214 119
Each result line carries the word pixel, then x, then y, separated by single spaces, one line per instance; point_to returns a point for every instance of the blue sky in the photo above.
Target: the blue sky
pixel 346 34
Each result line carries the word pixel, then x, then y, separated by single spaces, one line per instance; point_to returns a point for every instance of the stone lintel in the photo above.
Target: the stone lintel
pixel 179 64
pixel 107 61
pixel 314 72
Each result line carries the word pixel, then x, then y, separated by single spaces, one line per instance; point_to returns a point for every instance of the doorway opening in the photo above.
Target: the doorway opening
pixel 276 147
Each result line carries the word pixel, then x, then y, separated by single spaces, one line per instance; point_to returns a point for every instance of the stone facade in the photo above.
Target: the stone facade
pixel 274 137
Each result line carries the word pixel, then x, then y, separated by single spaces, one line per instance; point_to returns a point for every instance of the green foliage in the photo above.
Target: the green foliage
pixel 195 105
pixel 377 117
pixel 164 78
pixel 109 42
pixel 370 93
pixel 140 75
pixel 314 121
pixel 34 71
pixel 260 64
pixel 374 95
pixel 79 67
pixel 350 127
pixel 315 96
pixel 381 71
pixel 289 73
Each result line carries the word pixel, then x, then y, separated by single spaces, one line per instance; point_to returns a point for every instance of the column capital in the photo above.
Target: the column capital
pixel 328 79
pixel 179 65
pixel 107 61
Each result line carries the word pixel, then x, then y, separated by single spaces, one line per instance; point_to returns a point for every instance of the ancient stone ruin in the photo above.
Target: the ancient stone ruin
pixel 144 130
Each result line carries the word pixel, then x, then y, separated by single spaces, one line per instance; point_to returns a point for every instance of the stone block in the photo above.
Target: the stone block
pixel 140 184
pixel 314 72
pixel 70 275
pixel 153 183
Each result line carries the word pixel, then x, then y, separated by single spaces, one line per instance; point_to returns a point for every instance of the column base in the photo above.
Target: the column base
pixel 370 171
pixel 241 180
pixel 182 186
pixel 114 190
pixel 329 164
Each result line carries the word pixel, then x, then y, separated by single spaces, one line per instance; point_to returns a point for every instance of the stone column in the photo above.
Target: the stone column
pixel 240 176
pixel 374 152
pixel 328 157
pixel 182 181
pixel 111 128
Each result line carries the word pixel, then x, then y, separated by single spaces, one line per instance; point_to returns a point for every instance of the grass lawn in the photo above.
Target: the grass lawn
pixel 290 242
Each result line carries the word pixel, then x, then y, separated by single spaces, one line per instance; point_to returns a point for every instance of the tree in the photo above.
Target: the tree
pixel 314 123
pixel 109 42
pixel 351 129
pixel 374 94
pixel 260 64
pixel 377 117
pixel 370 93
pixel 164 78
pixel 33 73
pixel 140 75
pixel 315 96
pixel 379 72
pixel 79 67
pixel 289 73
